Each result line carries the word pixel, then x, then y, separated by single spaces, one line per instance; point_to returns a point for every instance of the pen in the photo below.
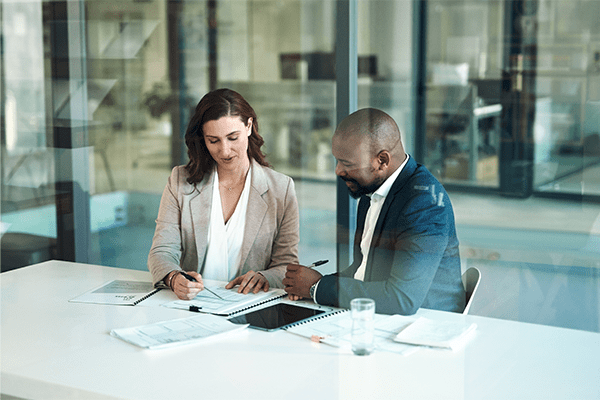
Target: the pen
pixel 195 308
pixel 317 263
pixel 191 278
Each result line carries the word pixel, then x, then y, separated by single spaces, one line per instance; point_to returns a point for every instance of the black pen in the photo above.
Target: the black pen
pixel 317 263
pixel 195 308
pixel 188 277
pixel 191 278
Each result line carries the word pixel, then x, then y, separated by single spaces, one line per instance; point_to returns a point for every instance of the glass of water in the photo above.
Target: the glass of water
pixel 363 313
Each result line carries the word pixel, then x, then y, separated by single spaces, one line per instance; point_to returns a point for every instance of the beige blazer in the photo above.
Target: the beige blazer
pixel 271 234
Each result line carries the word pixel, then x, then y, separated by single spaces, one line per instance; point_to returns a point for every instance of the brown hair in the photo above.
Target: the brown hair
pixel 213 106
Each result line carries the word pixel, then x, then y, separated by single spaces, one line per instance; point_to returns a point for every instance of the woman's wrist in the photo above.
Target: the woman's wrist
pixel 169 279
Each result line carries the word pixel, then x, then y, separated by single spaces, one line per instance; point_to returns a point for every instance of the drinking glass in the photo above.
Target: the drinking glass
pixel 363 313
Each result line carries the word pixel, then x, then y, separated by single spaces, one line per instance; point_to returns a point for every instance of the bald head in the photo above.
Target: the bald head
pixel 376 129
pixel 368 150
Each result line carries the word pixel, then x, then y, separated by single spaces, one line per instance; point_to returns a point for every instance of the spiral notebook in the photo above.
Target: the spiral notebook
pixel 336 330
pixel 118 292
pixel 226 302
pixel 283 315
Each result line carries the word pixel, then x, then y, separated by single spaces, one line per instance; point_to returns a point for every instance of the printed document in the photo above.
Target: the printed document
pixel 118 292
pixel 228 301
pixel 445 334
pixel 175 332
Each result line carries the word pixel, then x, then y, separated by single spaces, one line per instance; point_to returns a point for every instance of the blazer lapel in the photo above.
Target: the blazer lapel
pixel 402 178
pixel 257 209
pixel 201 215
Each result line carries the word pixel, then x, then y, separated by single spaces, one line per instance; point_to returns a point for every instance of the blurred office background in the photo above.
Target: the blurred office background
pixel 499 99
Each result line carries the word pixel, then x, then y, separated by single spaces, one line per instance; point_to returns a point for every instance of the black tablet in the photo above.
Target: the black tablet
pixel 277 316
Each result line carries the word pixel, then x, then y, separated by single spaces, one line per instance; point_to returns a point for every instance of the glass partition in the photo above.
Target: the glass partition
pixel 96 97
pixel 280 57
pixel 511 125
pixel 463 90
pixel 28 226
pixel 385 62
pixel 141 67
pixel 470 76
pixel 568 98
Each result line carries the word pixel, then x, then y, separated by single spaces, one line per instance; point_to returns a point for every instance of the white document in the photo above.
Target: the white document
pixel 176 332
pixel 230 302
pixel 118 292
pixel 336 330
pixel 444 334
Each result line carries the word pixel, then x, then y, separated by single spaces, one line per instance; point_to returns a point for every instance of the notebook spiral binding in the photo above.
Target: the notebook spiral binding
pixel 315 318
pixel 135 303
pixel 241 310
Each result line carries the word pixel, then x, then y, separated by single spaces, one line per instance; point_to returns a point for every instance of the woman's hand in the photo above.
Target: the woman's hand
pixel 184 288
pixel 250 281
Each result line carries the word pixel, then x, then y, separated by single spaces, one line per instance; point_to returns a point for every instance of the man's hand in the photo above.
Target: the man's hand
pixel 250 281
pixel 298 280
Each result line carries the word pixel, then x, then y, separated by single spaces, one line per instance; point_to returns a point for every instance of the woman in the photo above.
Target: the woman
pixel 225 215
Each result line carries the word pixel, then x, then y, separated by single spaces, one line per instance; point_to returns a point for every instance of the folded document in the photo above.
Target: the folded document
pixel 445 334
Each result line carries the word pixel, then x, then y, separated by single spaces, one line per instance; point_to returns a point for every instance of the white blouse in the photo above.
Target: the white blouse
pixel 223 254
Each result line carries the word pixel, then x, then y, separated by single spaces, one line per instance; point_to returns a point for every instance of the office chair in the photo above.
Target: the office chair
pixel 20 249
pixel 470 278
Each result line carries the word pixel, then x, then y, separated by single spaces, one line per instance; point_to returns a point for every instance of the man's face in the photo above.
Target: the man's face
pixel 356 165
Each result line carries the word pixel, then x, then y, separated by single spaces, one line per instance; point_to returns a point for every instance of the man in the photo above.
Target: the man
pixel 405 248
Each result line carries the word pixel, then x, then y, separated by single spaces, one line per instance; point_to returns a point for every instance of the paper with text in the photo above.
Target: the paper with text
pixel 176 332
pixel 231 301
pixel 445 334
pixel 118 292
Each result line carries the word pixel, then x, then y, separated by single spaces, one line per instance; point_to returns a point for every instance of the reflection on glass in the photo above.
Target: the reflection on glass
pixel 466 61
pixel 139 66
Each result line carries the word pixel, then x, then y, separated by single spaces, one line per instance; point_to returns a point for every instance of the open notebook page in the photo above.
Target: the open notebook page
pixel 230 302
pixel 336 330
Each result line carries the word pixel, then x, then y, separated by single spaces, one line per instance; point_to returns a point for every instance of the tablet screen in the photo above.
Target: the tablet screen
pixel 277 316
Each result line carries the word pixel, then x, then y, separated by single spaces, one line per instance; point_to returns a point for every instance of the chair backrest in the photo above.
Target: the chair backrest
pixel 470 279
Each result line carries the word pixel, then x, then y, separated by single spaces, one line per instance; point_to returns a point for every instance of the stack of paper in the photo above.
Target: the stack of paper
pixel 175 332
pixel 444 334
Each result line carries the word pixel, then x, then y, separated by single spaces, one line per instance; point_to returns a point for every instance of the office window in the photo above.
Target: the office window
pixel 96 97
pixel 504 172
pixel 385 58
pixel 280 57
pixel 476 64
pixel 141 67
pixel 510 127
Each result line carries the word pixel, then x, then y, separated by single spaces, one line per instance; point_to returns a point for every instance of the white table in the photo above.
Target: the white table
pixel 51 348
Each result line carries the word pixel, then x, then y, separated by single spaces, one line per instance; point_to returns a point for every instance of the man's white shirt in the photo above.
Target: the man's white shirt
pixel 377 200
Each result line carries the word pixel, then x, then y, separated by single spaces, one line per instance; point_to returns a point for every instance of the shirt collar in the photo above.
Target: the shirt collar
pixel 384 189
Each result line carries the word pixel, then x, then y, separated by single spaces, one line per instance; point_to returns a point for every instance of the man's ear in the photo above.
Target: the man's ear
pixel 383 159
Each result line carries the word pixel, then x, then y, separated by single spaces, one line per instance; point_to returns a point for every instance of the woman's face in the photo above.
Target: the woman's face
pixel 227 141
